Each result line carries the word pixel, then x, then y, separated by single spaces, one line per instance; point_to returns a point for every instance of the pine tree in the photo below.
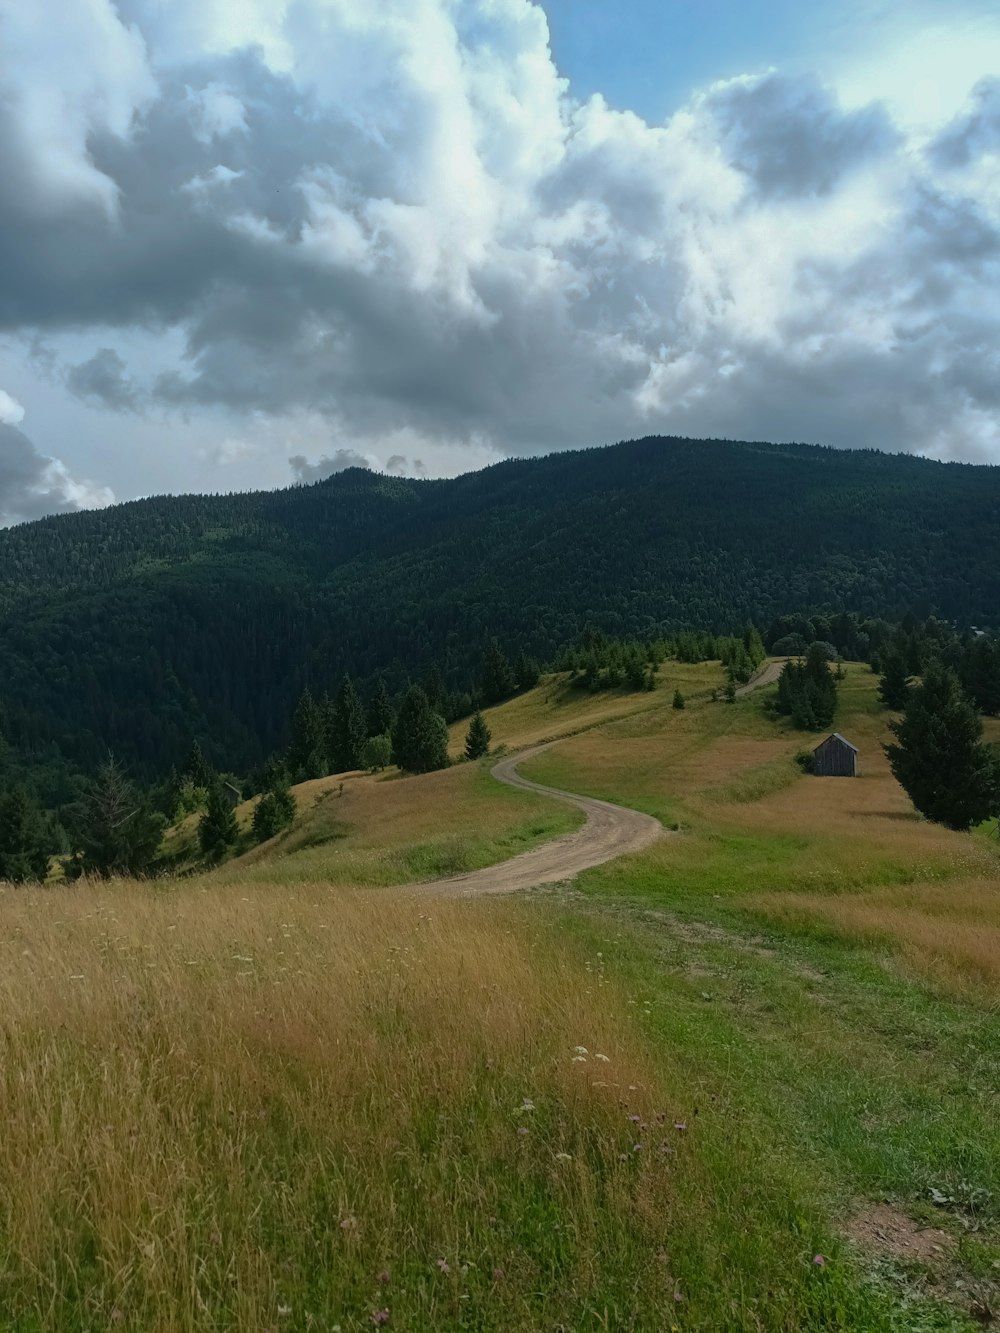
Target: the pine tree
pixel 349 729
pixel 526 672
pixel 380 711
pixel 754 646
pixel 498 677
pixel 217 828
pixel 420 736
pixel 981 673
pixel 274 811
pixel 197 768
pixel 113 827
pixel 24 838
pixel 894 682
pixel 307 752
pixel 939 759
pixel 679 700
pixel 478 737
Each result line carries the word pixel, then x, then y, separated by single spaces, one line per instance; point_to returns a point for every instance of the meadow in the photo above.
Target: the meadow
pixel 745 1080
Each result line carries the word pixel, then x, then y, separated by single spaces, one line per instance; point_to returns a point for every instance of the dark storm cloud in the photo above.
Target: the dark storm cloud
pixel 104 380
pixel 306 472
pixel 791 137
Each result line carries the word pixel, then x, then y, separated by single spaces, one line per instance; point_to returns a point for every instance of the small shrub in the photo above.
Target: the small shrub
pixel 376 754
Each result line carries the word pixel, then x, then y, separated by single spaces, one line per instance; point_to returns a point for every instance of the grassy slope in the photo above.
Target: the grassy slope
pixel 824 969
pixel 329 1083
pixel 359 830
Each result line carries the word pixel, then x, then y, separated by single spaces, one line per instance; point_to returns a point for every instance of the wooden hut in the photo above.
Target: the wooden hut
pixel 836 757
pixel 233 795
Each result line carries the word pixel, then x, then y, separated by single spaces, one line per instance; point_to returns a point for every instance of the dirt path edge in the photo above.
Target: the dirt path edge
pixel 610 831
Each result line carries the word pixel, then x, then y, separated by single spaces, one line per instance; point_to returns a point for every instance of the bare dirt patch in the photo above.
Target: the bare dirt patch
pixel 928 1256
pixel 883 1230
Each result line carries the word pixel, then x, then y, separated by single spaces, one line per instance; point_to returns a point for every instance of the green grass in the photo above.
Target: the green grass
pixel 314 1055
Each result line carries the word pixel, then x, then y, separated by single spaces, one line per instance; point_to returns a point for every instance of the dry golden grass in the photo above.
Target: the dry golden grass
pixel 797 846
pixel 554 709
pixel 218 1105
pixel 950 931
pixel 359 830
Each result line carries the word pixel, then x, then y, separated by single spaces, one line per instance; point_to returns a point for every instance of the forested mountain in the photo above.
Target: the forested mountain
pixel 141 626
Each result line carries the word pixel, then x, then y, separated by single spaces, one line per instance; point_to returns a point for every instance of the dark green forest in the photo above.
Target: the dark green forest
pixel 138 628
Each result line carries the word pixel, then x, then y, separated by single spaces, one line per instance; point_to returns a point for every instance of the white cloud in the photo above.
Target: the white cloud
pixel 11 411
pixel 391 226
pixel 65 78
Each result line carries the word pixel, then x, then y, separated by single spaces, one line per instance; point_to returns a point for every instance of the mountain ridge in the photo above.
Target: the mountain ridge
pixel 142 625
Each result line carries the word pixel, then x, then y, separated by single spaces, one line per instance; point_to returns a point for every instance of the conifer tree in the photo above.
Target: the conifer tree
pixel 679 700
pixel 754 646
pixel 981 673
pixel 349 729
pixel 938 758
pixel 307 752
pixel 113 828
pixel 478 737
pixel 420 736
pixel 525 672
pixel 380 711
pixel 498 677
pixel 24 838
pixel 217 828
pixel 197 768
pixel 274 811
pixel 894 682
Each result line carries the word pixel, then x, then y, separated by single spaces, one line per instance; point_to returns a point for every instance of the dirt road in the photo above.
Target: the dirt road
pixel 768 676
pixel 610 831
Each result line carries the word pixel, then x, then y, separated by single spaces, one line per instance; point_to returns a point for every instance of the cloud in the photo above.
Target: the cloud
pixel 972 134
pixel 103 380
pixel 32 485
pixel 791 137
pixel 11 411
pixel 305 472
pixel 396 218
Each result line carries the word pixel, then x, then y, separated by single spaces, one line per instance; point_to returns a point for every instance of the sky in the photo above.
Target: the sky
pixel 246 243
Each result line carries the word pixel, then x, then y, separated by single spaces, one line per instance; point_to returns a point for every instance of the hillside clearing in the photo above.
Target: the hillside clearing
pixel 357 1104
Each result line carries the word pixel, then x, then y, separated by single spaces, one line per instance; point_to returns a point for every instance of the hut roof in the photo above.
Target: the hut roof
pixel 837 736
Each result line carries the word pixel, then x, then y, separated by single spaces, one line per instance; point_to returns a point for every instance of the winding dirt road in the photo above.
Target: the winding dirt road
pixel 610 831
pixel 767 676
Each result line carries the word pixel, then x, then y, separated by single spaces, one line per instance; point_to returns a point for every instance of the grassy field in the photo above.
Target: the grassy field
pixel 745 1080
pixel 383 830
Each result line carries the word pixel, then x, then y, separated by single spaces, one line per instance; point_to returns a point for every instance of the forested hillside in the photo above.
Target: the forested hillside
pixel 142 626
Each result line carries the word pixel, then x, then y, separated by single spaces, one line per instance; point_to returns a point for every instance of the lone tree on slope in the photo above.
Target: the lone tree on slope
pixel 478 737
pixel 939 759
pixel 894 682
pixel 420 736
pixel 348 729
pixel 218 828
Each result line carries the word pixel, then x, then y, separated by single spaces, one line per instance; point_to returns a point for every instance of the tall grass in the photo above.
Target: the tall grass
pixel 290 1109
pixel 948 932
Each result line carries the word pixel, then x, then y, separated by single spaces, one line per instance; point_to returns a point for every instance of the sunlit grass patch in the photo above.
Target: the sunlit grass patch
pixel 221 1110
pixel 755 783
pixel 392 830
pixel 948 932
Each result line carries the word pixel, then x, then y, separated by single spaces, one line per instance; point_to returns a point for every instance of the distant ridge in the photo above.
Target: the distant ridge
pixel 143 624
